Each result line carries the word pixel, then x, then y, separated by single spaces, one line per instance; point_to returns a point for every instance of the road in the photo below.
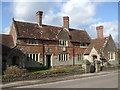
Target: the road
pixel 109 80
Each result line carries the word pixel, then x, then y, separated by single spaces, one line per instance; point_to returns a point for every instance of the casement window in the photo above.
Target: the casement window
pixel 111 55
pixel 32 57
pixel 63 43
pixel 83 45
pixel 80 56
pixel 32 41
pixel 63 56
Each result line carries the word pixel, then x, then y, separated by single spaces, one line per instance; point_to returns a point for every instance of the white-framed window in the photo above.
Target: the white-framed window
pixel 80 56
pixel 111 55
pixel 31 41
pixel 63 57
pixel 32 57
pixel 63 42
pixel 83 45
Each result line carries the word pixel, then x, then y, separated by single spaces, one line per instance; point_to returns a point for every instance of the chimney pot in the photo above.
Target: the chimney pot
pixel 99 31
pixel 97 28
pixel 39 17
pixel 101 27
pixel 66 22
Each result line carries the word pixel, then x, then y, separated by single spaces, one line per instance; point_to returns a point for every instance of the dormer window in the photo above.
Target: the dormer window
pixel 32 41
pixel 83 45
pixel 63 43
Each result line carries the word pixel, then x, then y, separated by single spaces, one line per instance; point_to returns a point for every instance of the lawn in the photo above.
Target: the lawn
pixel 57 69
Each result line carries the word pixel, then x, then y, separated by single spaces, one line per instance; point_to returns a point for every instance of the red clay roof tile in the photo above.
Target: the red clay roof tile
pixel 47 32
pixel 98 44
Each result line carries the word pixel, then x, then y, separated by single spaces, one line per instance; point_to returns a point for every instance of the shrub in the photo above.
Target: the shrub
pixel 58 70
pixel 14 70
pixel 108 64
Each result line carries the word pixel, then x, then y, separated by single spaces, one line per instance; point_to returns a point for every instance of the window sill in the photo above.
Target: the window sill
pixel 83 47
pixel 33 44
pixel 112 60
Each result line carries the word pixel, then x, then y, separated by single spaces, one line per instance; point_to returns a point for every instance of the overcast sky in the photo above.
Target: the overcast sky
pixel 83 14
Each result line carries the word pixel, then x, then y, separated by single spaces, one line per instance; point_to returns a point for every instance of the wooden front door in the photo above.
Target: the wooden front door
pixel 48 61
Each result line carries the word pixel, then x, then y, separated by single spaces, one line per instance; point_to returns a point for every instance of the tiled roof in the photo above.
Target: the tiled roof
pixel 47 32
pixel 7 43
pixel 98 44
pixel 79 36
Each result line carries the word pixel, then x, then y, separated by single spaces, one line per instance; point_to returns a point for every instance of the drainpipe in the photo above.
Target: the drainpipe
pixel 43 53
pixel 73 56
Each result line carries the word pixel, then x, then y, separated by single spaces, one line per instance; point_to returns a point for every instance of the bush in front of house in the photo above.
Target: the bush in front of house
pixel 14 70
pixel 58 70
pixel 108 64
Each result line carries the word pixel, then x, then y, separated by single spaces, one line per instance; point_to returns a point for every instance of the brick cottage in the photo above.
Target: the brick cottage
pixel 36 45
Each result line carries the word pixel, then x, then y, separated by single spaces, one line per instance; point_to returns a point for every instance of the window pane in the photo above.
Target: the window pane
pixel 36 41
pixel 80 56
pixel 66 56
pixel 61 42
pixel 59 57
pixel 33 57
pixel 37 57
pixel 65 43
pixel 30 56
pixel 32 41
pixel 62 57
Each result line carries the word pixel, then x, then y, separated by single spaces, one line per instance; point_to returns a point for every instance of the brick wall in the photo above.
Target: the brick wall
pixel 55 49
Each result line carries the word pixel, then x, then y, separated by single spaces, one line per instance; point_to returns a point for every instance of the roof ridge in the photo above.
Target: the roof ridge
pixel 101 38
pixel 47 25
pixel 52 26
pixel 25 22
pixel 77 29
pixel 6 34
pixel 36 24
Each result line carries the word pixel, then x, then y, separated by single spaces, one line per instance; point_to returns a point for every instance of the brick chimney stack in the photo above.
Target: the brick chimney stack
pixel 66 22
pixel 99 31
pixel 39 18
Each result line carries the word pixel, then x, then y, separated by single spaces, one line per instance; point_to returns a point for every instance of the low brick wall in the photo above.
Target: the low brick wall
pixel 33 76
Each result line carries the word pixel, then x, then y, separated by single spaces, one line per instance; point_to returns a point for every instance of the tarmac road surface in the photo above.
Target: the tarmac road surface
pixel 109 80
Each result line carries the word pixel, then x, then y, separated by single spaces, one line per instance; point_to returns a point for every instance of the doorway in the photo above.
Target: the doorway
pixel 94 57
pixel 48 61
pixel 15 61
pixel 92 67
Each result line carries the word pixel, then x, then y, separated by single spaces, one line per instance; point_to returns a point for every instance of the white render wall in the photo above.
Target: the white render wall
pixel 90 56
